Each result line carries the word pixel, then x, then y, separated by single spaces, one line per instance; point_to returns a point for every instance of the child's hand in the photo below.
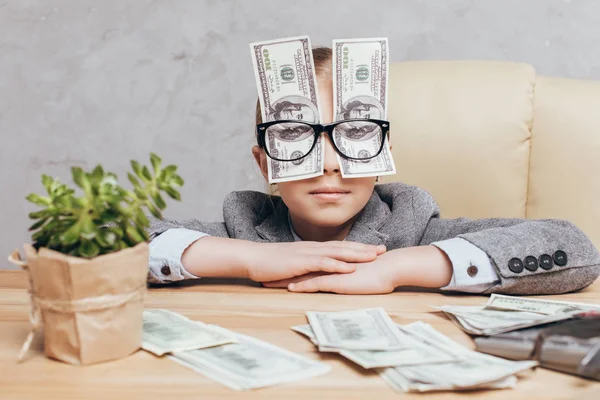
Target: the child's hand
pixel 375 277
pixel 268 262
pixel 423 266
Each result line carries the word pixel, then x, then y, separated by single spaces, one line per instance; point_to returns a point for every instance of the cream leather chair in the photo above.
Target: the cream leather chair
pixel 493 139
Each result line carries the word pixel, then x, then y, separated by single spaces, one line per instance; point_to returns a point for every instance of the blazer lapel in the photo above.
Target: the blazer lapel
pixel 276 228
pixel 370 220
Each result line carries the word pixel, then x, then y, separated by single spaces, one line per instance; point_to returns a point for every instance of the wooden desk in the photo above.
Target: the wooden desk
pixel 263 313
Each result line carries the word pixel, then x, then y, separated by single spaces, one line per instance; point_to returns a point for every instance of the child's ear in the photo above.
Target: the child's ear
pixel 261 160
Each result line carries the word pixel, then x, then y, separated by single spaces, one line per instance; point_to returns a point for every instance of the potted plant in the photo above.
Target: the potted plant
pixel 88 262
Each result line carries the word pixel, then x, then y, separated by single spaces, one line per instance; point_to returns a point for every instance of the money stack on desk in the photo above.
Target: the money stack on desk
pixel 237 361
pixel 413 357
pixel 563 336
pixel 410 358
pixel 507 313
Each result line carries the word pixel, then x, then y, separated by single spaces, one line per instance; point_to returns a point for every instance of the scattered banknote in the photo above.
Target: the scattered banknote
pixel 421 351
pixel 287 90
pixel 250 363
pixel 473 370
pixel 547 307
pixel 360 86
pixel 166 332
pixel 479 320
pixel 307 331
pixel 366 329
pixel 402 384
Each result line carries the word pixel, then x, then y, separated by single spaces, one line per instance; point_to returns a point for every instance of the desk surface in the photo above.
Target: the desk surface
pixel 263 313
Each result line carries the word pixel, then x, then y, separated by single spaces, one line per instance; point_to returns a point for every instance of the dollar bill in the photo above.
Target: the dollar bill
pixel 547 307
pixel 474 370
pixel 401 384
pixel 421 351
pixel 307 331
pixel 480 320
pixel 166 332
pixel 207 372
pixel 360 86
pixel 250 363
pixel 287 88
pixel 366 329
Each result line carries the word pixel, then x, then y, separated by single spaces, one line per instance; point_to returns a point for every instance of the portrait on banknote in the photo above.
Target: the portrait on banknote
pixel 293 107
pixel 361 107
pixel 290 131
pixel 357 130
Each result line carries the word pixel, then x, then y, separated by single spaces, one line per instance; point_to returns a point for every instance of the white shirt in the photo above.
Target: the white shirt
pixel 167 249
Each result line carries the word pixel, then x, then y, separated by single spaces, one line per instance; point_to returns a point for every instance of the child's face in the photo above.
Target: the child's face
pixel 306 199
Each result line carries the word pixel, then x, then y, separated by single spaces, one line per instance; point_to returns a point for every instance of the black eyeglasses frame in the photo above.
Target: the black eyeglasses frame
pixel 261 130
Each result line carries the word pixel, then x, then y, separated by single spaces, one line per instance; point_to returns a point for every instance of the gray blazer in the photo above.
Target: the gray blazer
pixel 399 215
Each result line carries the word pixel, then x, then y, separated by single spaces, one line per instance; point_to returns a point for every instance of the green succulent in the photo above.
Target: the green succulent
pixel 108 217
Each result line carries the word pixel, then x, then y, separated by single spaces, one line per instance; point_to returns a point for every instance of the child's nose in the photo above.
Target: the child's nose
pixel 331 164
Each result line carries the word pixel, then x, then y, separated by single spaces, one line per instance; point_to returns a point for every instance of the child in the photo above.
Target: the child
pixel 350 236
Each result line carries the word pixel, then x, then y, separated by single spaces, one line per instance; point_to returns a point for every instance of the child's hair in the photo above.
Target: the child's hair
pixel 323 65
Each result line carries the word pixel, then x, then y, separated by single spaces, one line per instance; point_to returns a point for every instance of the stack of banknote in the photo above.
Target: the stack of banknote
pixel 507 313
pixel 237 361
pixel 412 357
pixel 288 90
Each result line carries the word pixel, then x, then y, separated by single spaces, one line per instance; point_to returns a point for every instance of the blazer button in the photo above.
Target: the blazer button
pixel 531 263
pixel 515 265
pixel 472 271
pixel 165 270
pixel 546 262
pixel 560 258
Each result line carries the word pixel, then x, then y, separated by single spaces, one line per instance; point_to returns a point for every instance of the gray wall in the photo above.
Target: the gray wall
pixel 85 82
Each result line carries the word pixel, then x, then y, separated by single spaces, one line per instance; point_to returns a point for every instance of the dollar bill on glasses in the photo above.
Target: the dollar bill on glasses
pixel 360 91
pixel 287 90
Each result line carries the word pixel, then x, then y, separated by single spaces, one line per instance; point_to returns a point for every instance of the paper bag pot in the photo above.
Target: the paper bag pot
pixel 91 309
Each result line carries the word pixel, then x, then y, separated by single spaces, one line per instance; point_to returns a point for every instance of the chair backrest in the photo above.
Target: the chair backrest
pixel 491 139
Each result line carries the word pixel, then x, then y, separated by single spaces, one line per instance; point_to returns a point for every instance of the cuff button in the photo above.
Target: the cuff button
pixel 531 263
pixel 560 258
pixel 472 271
pixel 165 270
pixel 546 262
pixel 515 265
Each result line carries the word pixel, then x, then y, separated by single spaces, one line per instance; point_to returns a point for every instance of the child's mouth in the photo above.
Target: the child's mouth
pixel 329 193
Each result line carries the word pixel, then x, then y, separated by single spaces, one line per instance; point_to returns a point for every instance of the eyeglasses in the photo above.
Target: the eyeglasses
pixel 354 139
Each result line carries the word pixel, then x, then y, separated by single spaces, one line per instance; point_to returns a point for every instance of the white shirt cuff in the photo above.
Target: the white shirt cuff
pixel 165 254
pixel 473 271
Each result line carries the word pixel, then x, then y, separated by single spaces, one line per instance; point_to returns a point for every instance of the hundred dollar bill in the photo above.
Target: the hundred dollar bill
pixel 366 329
pixel 475 370
pixel 207 372
pixel 479 320
pixel 251 363
pixel 287 90
pixel 307 331
pixel 165 332
pixel 420 351
pixel 360 86
pixel 548 307
pixel 401 384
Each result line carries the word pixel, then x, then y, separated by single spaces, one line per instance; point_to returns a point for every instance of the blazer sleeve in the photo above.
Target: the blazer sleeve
pixel 546 256
pixel 159 226
pixel 164 265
